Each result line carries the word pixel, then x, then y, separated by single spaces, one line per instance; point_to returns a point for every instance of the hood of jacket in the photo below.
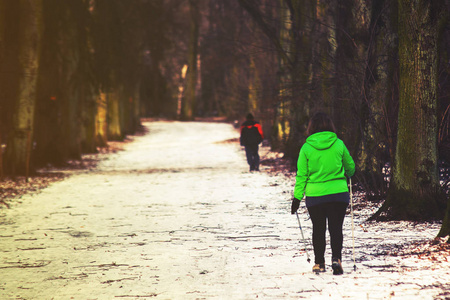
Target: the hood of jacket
pixel 322 140
pixel 249 123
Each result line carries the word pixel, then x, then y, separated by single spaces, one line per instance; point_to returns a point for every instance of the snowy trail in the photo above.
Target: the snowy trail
pixel 177 215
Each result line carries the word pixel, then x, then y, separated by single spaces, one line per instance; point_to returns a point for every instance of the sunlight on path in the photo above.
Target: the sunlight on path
pixel 176 215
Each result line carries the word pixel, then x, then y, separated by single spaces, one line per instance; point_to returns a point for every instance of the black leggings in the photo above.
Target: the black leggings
pixel 335 213
pixel 252 157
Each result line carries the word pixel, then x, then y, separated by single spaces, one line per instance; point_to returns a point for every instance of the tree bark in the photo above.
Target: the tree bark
pixel 101 122
pixel 29 42
pixel 188 108
pixel 445 228
pixel 3 106
pixel 49 117
pixel 88 113
pixel 115 132
pixel 414 192
pixel 373 128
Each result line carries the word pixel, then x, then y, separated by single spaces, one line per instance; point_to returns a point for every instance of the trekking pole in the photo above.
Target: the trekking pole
pixel 353 226
pixel 303 237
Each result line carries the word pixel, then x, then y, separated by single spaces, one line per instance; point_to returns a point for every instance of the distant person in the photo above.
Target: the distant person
pixel 251 136
pixel 323 165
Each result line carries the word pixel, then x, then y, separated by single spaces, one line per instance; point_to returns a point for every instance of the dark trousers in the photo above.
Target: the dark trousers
pixel 335 213
pixel 252 157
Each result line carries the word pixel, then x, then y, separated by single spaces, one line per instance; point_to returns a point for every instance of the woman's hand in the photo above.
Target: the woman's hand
pixel 295 205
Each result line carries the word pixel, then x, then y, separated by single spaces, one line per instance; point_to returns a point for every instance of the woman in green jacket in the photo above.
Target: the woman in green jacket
pixel 323 166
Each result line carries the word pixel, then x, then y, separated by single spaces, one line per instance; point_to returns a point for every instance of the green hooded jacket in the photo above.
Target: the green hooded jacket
pixel 323 165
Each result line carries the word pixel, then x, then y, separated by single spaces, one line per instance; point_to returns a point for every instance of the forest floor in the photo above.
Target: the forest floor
pixel 175 214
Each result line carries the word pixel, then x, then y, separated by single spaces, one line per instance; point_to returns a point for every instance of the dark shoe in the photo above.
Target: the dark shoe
pixel 337 267
pixel 319 268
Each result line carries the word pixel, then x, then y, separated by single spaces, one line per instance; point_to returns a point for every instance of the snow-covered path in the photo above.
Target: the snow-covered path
pixel 177 215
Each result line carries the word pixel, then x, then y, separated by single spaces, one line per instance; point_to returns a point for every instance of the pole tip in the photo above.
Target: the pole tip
pixel 308 260
pixel 354 267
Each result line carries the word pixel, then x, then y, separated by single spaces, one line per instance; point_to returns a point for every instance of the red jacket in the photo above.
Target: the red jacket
pixel 251 133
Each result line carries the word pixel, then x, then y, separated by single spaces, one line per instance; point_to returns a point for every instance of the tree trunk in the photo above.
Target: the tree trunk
pixel 88 142
pixel 414 192
pixel 188 108
pixel 254 88
pixel 29 41
pixel 3 106
pixel 114 121
pixel 445 228
pixel 64 85
pixel 313 47
pixel 135 108
pixel 70 136
pixel 49 98
pixel 101 122
pixel 373 126
pixel 444 117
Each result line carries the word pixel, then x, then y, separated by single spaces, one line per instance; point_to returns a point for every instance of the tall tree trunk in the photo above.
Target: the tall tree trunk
pixel 101 122
pixel 286 46
pixel 254 95
pixel 445 228
pixel 375 102
pixel 115 132
pixel 444 116
pixel 29 41
pixel 48 122
pixel 344 54
pixel 188 109
pixel 72 111
pixel 64 84
pixel 135 108
pixel 414 192
pixel 88 143
pixel 313 47
pixel 3 104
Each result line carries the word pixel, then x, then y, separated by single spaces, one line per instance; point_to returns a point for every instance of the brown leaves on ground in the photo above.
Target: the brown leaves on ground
pixel 435 250
pixel 19 186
